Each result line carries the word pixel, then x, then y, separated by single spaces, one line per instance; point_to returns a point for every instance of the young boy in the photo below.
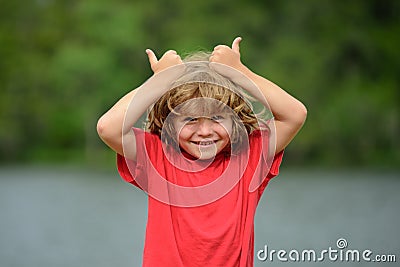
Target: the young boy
pixel 205 159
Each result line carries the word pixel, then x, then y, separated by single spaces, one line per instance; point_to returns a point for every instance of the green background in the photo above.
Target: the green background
pixel 64 63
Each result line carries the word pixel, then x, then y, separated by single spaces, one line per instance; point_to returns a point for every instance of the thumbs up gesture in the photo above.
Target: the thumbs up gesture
pixel 228 56
pixel 169 59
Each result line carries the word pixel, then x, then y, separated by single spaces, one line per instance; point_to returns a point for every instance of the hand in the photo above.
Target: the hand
pixel 169 59
pixel 229 56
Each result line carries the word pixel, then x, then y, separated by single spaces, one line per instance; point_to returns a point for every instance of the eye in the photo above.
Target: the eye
pixel 189 119
pixel 217 118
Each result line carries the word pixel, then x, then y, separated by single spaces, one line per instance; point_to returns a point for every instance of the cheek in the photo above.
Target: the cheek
pixel 178 127
pixel 184 133
pixel 226 129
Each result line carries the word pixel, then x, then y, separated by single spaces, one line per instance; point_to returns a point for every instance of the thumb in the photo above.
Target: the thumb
pixel 152 57
pixel 235 44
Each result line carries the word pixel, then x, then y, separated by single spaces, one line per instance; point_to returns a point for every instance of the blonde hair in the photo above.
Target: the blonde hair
pixel 200 82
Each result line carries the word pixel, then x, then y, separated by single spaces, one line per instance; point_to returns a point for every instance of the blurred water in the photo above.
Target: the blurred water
pixel 56 217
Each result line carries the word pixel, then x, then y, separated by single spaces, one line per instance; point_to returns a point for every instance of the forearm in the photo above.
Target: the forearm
pixel 283 106
pixel 119 120
pixel 289 113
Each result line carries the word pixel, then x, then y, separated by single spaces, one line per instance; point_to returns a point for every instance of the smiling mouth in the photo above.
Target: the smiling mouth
pixel 203 143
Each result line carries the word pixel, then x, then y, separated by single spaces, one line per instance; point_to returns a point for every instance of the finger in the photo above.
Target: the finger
pixel 235 44
pixel 172 52
pixel 152 57
pixel 218 47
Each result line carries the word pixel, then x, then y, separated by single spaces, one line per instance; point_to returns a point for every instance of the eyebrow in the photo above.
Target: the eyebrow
pixel 223 114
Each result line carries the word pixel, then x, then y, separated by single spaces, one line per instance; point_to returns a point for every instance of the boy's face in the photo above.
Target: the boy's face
pixel 203 137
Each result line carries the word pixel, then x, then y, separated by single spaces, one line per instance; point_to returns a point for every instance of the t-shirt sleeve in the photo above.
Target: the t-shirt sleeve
pixel 273 171
pixel 264 161
pixel 134 172
pixel 125 172
pixel 276 163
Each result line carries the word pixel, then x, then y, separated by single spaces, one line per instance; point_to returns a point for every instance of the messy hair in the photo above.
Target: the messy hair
pixel 201 83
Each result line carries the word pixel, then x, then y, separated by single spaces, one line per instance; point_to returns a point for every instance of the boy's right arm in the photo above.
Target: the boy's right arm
pixel 115 126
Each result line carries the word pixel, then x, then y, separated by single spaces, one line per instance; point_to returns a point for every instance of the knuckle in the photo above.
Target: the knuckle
pixel 222 47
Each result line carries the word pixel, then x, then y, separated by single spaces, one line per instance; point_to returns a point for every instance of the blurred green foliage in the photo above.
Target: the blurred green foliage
pixel 65 62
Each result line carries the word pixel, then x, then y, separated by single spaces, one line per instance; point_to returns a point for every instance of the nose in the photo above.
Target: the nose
pixel 204 127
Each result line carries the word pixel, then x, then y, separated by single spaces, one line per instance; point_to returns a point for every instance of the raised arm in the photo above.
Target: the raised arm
pixel 115 126
pixel 289 113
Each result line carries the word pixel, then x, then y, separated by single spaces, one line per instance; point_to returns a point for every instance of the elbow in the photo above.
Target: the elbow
pixel 104 129
pixel 101 127
pixel 303 113
pixel 110 134
pixel 299 115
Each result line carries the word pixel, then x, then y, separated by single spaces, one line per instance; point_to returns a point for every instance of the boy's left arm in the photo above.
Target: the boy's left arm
pixel 289 113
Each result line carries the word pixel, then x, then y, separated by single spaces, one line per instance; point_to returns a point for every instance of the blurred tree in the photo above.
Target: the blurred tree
pixel 64 63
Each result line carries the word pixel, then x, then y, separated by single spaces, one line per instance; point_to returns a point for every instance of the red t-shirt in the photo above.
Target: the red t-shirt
pixel 191 224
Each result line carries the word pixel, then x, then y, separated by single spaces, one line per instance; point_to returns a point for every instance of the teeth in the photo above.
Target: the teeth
pixel 206 143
